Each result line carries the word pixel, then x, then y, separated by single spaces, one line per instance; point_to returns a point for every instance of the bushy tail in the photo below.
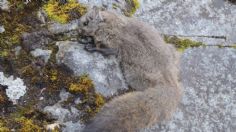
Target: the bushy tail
pixel 133 111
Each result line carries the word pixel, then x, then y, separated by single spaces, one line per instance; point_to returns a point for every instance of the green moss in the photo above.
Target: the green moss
pixel 91 105
pixel 25 119
pixel 64 12
pixel 182 44
pixel 83 86
pixel 3 127
pixel 133 5
pixel 91 101
pixel 27 125
pixel 16 21
pixel 4 53
pixel 99 102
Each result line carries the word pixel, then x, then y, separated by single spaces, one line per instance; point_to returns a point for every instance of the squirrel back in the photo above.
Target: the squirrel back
pixel 149 65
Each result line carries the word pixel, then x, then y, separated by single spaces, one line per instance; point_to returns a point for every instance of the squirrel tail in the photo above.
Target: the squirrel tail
pixel 136 110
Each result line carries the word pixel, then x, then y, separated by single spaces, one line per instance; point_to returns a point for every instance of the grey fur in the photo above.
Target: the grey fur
pixel 149 65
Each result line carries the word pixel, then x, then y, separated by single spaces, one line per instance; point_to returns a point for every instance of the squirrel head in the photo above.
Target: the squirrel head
pixel 89 23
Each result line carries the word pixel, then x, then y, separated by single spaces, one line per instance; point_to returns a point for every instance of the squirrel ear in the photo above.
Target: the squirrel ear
pixel 97 13
pixel 100 16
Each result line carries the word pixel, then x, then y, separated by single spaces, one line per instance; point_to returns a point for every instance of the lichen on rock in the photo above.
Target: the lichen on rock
pixel 63 13
pixel 16 87
pixel 181 43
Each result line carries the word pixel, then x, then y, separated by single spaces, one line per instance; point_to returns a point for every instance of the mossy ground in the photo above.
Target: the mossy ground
pixel 47 77
pixel 64 12
pixel 132 6
pixel 25 119
pixel 182 44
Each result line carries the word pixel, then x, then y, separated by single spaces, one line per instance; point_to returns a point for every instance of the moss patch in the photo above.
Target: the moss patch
pixel 64 12
pixel 3 127
pixel 25 119
pixel 132 6
pixel 182 44
pixel 83 86
pixel 17 20
pixel 91 102
pixel 27 125
pixel 90 105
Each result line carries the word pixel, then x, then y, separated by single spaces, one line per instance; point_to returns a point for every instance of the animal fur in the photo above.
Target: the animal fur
pixel 149 65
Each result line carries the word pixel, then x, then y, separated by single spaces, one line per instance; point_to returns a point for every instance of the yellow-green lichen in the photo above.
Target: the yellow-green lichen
pixel 4 53
pixel 99 102
pixel 27 125
pixel 182 44
pixel 16 21
pixel 91 105
pixel 132 6
pixel 83 86
pixel 3 127
pixel 64 12
pixel 91 102
pixel 24 120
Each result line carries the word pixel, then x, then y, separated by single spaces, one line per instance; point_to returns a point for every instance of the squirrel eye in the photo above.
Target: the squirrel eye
pixel 85 23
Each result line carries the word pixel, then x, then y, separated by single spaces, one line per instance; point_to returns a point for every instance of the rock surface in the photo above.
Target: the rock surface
pixel 44 54
pixel 63 28
pixel 105 73
pixel 209 102
pixel 4 4
pixel 110 5
pixel 66 117
pixel 192 18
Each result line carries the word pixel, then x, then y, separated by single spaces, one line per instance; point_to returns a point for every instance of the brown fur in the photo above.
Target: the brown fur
pixel 149 66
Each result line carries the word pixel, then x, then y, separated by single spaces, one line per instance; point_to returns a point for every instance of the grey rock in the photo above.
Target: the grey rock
pixel 64 95
pixel 73 127
pixel 111 5
pixel 57 112
pixel 2 29
pixel 209 102
pixel 15 87
pixel 34 40
pixel 57 28
pixel 17 50
pixel 104 71
pixel 192 18
pixel 44 54
pixel 4 4
pixel 66 117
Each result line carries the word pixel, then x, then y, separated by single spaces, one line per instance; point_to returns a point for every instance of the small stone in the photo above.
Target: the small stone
pixel 2 29
pixel 44 54
pixel 15 87
pixel 4 5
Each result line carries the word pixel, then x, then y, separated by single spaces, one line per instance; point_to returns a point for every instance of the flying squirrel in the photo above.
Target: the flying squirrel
pixel 149 65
